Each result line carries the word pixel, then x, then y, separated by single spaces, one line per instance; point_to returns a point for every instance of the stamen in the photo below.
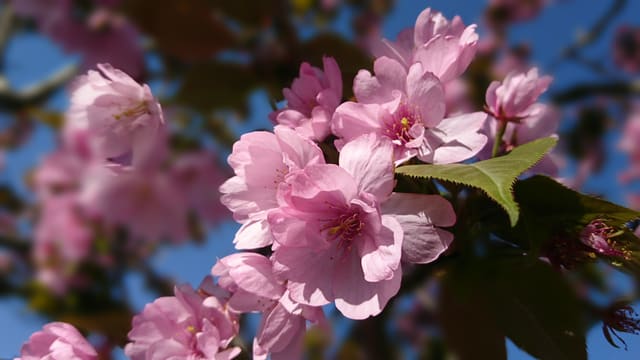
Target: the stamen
pixel 137 110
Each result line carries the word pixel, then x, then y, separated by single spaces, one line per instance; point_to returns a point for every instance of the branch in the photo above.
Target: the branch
pixel 6 22
pixel 12 99
pixel 582 91
pixel 593 34
pixel 19 245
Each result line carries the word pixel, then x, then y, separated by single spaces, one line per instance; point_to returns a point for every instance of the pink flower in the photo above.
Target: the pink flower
pixel 149 204
pixel 261 161
pixel 597 235
pixel 101 36
pixel 311 100
pixel 254 287
pixel 57 341
pixel 444 48
pixel 421 217
pixel 62 232
pixel 63 241
pixel 408 108
pixel 544 123
pixel 630 144
pixel 193 324
pixel 123 120
pixel 198 176
pixel 333 244
pixel 515 97
pixel 59 173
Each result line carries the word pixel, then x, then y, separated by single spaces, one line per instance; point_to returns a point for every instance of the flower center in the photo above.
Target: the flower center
pixel 345 228
pixel 135 111
pixel 400 124
pixel 281 172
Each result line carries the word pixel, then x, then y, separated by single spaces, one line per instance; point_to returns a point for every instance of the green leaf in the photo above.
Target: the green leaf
pixel 527 301
pixel 552 204
pixel 495 177
pixel 549 207
pixel 468 326
pixel 539 311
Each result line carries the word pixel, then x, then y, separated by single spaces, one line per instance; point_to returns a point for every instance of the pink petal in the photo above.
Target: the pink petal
pixel 369 159
pixel 427 93
pixel 357 298
pixel 381 254
pixel 419 215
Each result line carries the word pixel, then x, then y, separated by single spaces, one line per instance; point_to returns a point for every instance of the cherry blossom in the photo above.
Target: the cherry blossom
pixel 311 100
pixel 515 97
pixel 197 175
pixel 63 240
pixel 255 288
pixel 101 35
pixel 333 242
pixel 149 204
pixel 544 123
pixel 57 341
pixel 124 121
pixel 192 324
pixel 444 48
pixel 408 108
pixel 261 161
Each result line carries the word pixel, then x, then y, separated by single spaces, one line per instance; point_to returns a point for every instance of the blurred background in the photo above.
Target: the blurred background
pixel 218 68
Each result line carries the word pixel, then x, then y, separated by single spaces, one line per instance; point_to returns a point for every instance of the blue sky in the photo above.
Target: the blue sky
pixel 30 58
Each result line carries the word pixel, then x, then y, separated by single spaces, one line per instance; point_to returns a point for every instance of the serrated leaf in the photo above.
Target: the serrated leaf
pixel 560 205
pixel 495 177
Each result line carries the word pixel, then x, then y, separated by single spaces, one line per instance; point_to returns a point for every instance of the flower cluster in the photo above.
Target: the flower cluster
pixel 100 34
pixel 113 172
pixel 336 231
pixel 317 229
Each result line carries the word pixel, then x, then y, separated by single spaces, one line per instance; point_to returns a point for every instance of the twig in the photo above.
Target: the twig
pixel 581 91
pixel 12 99
pixel 6 27
pixel 592 35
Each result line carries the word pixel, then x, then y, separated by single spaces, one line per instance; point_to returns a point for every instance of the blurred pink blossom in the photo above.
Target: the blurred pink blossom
pixel 544 123
pixel 63 241
pixel 101 36
pixel 626 48
pixel 149 204
pixel 507 11
pixel 57 341
pixel 123 121
pixel 198 176
pixel 630 144
pixel 311 100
